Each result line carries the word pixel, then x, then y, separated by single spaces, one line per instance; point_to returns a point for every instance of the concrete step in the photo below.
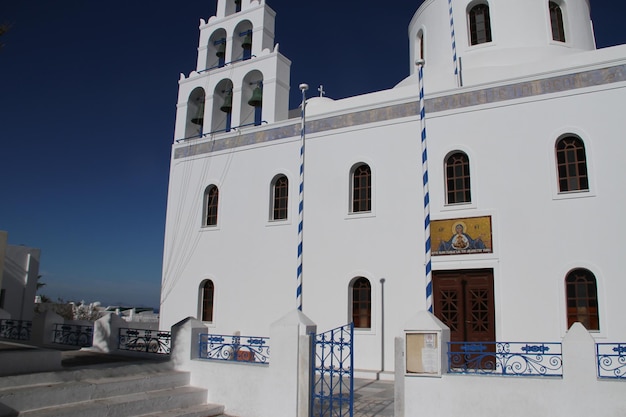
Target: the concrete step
pixel 127 390
pixel 131 405
pixel 94 372
pixel 88 386
pixel 206 410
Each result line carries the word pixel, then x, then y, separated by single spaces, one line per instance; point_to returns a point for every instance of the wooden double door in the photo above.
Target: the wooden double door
pixel 464 301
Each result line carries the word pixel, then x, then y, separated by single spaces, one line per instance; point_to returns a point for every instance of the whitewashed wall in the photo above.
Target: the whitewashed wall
pixel 579 393
pixel 539 235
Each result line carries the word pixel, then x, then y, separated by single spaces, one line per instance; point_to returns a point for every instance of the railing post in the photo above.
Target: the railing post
pixel 106 333
pixel 185 340
pixel 290 367
pixel 578 349
pixel 43 328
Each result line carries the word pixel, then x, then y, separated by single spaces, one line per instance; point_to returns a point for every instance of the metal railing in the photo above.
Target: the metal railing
pixel 213 132
pixel 15 329
pixel 506 358
pixel 225 64
pixel 72 335
pixel 234 348
pixel 142 340
pixel 611 359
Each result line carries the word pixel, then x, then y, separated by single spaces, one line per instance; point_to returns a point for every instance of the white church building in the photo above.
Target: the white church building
pixel 524 125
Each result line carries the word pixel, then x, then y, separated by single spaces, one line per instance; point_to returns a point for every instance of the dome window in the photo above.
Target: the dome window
pixel 480 24
pixel 556 21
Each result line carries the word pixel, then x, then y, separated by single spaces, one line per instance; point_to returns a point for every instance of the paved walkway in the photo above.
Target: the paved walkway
pixel 373 398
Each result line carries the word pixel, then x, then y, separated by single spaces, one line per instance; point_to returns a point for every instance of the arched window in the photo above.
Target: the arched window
pixel 280 197
pixel 571 163
pixel 582 299
pixel 362 303
pixel 480 24
pixel 556 21
pixel 211 197
pixel 207 291
pixel 458 187
pixel 420 41
pixel 361 188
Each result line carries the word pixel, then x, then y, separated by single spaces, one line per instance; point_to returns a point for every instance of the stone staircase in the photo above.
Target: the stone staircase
pixel 120 390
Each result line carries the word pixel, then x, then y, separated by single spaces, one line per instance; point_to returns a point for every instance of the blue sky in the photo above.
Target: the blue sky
pixel 88 94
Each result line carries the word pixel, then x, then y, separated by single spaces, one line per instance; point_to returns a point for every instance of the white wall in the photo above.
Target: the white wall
pixel 538 234
pixel 577 394
pixel 21 268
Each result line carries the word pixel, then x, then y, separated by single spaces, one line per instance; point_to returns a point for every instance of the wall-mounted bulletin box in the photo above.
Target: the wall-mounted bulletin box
pixel 423 353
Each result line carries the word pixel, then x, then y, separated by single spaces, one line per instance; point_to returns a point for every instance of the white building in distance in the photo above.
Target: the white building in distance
pixel 19 269
pixel 524 133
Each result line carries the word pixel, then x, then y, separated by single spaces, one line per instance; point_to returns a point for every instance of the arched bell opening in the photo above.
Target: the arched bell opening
pixel 242 40
pixel 232 7
pixel 216 49
pixel 222 107
pixel 194 125
pixel 252 99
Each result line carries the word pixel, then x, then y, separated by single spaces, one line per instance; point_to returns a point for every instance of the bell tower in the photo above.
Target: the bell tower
pixel 240 80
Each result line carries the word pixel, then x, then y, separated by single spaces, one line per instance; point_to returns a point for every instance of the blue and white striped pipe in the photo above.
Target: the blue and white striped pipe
pixel 453 38
pixel 303 88
pixel 427 260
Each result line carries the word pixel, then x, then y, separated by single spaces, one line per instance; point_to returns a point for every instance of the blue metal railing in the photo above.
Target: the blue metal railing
pixel 72 335
pixel 225 64
pixel 234 348
pixel 142 340
pixel 505 358
pixel 332 373
pixel 213 132
pixel 611 360
pixel 15 329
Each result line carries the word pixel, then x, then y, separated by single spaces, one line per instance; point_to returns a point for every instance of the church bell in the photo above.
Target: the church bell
pixel 227 107
pixel 199 119
pixel 221 50
pixel 257 97
pixel 247 41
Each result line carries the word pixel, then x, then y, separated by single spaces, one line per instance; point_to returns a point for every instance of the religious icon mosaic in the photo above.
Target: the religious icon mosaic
pixel 461 236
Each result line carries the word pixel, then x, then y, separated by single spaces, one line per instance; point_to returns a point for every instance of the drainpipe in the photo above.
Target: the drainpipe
pixel 382 328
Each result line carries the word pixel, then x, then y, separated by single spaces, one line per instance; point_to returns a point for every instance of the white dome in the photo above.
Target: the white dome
pixel 520 33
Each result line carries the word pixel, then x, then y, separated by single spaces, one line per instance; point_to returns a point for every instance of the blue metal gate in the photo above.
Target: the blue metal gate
pixel 332 386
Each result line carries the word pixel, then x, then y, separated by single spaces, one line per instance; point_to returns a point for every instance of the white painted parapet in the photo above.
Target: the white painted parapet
pixel 185 341
pixel 42 333
pixel 578 393
pixel 279 388
pixel 106 332
pixel 290 368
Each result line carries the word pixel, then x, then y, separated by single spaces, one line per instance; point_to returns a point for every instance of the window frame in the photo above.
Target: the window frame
pixel 559 19
pixel 563 166
pixel 465 178
pixel 277 199
pixel 573 299
pixel 361 300
pixel 472 27
pixel 356 197
pixel 210 209
pixel 421 47
pixel 207 306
